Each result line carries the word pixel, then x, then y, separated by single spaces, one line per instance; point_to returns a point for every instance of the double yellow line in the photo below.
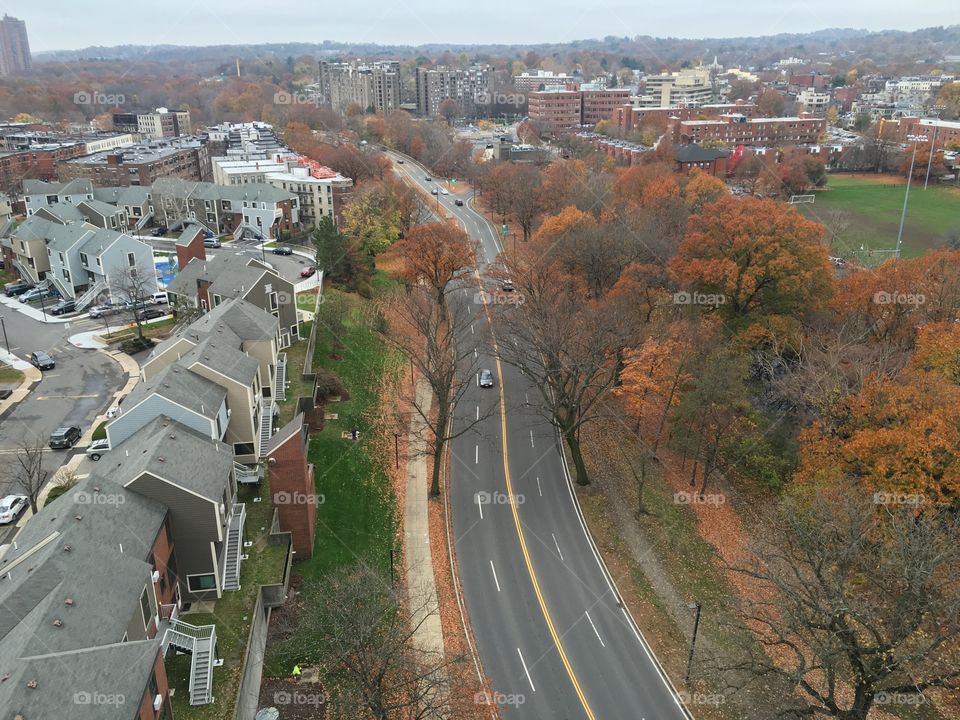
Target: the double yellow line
pixel 516 521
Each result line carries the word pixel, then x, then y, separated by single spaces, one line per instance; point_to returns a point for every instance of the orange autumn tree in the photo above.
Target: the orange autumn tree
pixel 703 188
pixel 436 254
pixel 762 256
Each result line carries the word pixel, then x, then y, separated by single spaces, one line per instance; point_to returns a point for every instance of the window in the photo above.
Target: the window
pixel 131 259
pixel 243 449
pixel 145 609
pixel 199 583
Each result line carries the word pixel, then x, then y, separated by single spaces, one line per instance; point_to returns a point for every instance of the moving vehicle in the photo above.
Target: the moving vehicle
pixel 103 311
pixel 63 307
pixel 308 271
pixel 211 242
pixel 150 314
pixel 42 360
pixel 433 192
pixel 428 179
pixel 97 448
pixel 12 507
pixel 507 285
pixel 282 250
pixel 458 202
pixel 159 298
pixel 486 378
pixel 64 438
pixel 443 191
pixel 17 288
pixel 399 161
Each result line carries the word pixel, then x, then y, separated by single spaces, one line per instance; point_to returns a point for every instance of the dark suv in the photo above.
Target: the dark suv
pixel 41 360
pixel 64 438
pixel 17 288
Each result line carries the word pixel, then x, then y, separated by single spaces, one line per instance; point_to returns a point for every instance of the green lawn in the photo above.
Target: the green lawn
pixel 232 616
pixel 10 375
pixel 297 386
pixel 872 208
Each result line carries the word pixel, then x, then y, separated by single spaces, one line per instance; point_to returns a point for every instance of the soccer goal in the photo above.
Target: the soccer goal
pixel 798 199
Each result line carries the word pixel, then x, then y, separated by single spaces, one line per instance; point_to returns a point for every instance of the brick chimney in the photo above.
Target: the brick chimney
pixel 292 485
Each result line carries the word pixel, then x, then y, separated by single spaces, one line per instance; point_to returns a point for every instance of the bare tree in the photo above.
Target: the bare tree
pixel 133 285
pixel 27 472
pixel 358 628
pixel 856 604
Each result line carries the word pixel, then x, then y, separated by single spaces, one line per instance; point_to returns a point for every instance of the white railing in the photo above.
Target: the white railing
pixel 280 382
pixel 91 294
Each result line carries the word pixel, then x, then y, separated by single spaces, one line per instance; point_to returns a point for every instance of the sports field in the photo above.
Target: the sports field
pixel 864 210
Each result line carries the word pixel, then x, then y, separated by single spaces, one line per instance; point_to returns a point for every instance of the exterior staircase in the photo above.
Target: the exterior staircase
pixel 142 221
pixel 245 475
pixel 91 294
pixel 231 564
pixel 266 425
pixel 280 382
pixel 244 229
pixel 201 643
pixel 66 292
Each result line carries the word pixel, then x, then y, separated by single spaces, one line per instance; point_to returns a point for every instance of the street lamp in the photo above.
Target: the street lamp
pixel 693 641
pixel 4 327
pixel 906 195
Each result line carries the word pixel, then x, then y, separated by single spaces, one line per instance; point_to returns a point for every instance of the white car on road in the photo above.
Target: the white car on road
pixel 12 507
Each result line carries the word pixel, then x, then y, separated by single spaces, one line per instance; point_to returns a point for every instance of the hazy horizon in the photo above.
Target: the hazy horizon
pixel 54 25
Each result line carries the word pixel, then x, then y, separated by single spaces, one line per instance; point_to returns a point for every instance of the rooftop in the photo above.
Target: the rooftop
pixel 183 387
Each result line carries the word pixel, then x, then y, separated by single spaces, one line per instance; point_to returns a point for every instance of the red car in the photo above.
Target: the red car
pixel 308 271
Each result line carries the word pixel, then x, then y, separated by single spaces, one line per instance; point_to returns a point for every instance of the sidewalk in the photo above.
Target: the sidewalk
pixel 418 561
pixel 36 313
pixel 30 376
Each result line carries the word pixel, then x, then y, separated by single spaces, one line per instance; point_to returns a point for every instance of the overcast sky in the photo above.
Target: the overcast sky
pixel 69 24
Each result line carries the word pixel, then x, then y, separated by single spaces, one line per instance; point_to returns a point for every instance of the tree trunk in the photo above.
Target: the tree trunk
pixel 580 468
pixel 439 445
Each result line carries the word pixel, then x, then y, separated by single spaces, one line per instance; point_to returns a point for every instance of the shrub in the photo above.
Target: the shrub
pixel 327 384
pixel 135 345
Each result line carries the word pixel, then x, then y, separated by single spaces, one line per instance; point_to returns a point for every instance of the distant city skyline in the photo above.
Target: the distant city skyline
pixel 66 25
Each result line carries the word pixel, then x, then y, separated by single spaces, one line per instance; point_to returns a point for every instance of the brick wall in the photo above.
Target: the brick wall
pixel 294 492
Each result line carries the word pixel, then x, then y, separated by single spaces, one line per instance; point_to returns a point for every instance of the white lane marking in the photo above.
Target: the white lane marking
pixel 476 455
pixel 587 613
pixel 479 504
pixel 471 328
pixel 557 545
pixel 475 352
pixel 527 672
pixel 539 490
pixel 526 399
pixel 531 438
pixel 495 581
pixel 478 412
pixel 478 379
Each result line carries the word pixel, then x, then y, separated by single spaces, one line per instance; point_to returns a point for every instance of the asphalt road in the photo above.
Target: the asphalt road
pixel 550 631
pixel 74 393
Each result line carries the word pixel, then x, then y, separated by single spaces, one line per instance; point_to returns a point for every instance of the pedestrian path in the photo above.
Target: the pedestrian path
pixel 36 313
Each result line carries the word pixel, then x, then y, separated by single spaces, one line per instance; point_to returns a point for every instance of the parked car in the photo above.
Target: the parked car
pixel 458 202
pixel 63 307
pixel 17 288
pixel 12 507
pixel 159 298
pixel 113 412
pixel 211 242
pixel 159 231
pixel 150 313
pixel 65 438
pixel 486 378
pixel 104 310
pixel 308 271
pixel 97 448
pixel 282 250
pixel 42 360
pixel 38 294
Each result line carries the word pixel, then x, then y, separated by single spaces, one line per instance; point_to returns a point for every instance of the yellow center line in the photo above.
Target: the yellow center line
pixel 516 522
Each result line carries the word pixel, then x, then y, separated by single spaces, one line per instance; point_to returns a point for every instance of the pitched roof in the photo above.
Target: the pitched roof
pixel 126 195
pixel 180 385
pixel 220 351
pixel 249 322
pixel 696 153
pixel 176 453
pixel 251 192
pixel 230 274
pixel 63 212
pixel 99 207
pixel 190 231
pixel 291 429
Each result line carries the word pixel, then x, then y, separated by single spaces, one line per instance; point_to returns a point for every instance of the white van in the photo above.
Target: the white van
pixel 159 298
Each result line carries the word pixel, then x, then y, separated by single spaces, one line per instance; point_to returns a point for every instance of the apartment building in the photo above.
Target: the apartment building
pixel 466 86
pixel 692 86
pixel 15 55
pixel 39 161
pixel 373 86
pixel 141 164
pixel 630 117
pixel 541 79
pixel 554 110
pixel 939 132
pixel 242 138
pixel 814 101
pixel 740 130
pixel 600 103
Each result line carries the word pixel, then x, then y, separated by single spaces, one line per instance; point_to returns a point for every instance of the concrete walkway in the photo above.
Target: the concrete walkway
pixel 36 313
pixel 418 560
pixel 30 376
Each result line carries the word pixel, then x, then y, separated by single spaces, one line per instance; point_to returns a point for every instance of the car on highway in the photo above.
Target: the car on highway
pixel 64 438
pixel 443 191
pixel 486 378
pixel 433 192
pixel 308 271
pixel 37 294
pixel 150 313
pixel 42 360
pixel 428 179
pixel 399 161
pixel 458 202
pixel 507 285
pixel 15 289
pixel 100 311
pixel 282 250
pixel 63 307
pixel 97 448
pixel 12 507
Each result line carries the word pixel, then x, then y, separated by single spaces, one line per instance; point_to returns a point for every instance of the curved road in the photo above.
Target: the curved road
pixel 552 635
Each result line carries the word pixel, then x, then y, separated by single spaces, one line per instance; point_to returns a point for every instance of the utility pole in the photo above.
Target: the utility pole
pixel 4 327
pixel 906 194
pixel 693 641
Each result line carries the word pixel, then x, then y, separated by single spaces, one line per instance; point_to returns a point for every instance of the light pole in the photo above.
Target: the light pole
pixel 4 327
pixel 933 150
pixel 693 641
pixel 906 195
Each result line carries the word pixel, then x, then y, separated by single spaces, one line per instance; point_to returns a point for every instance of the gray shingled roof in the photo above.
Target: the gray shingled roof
pixel 183 387
pixel 232 274
pixel 64 212
pixel 190 231
pixel 696 153
pixel 222 353
pixel 124 195
pixel 175 453
pixel 99 207
pixel 63 237
pixel 256 192
pixel 99 240
pixel 249 322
